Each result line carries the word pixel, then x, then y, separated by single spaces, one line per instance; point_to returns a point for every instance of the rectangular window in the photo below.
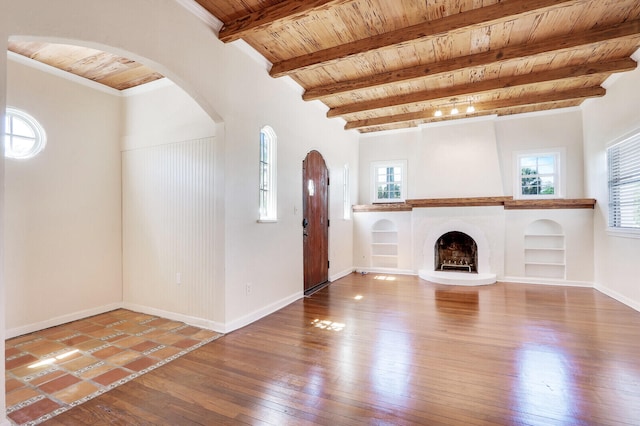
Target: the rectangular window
pixel 346 196
pixel 267 187
pixel 623 160
pixel 538 175
pixel 389 181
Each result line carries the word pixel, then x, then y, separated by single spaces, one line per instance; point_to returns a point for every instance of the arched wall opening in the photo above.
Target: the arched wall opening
pixel 241 92
pixel 84 174
pixel 165 70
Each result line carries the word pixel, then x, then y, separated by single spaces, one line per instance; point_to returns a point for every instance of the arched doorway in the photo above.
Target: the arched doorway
pixel 315 223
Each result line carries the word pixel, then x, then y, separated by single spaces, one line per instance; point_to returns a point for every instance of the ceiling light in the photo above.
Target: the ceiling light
pixel 438 113
pixel 471 109
pixel 454 111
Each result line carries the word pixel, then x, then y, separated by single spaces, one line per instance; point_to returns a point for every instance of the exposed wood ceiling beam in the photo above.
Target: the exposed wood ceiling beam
pixel 261 19
pixel 486 108
pixel 619 65
pixel 556 44
pixel 505 10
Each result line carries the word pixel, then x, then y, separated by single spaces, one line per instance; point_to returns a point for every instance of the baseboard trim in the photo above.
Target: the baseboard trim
pixel 262 312
pixel 187 319
pixel 63 319
pixel 386 271
pixel 342 274
pixel 619 297
pixel 545 281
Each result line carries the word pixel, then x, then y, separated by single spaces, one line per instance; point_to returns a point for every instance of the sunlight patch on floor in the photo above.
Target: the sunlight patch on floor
pixel 328 325
pixel 384 278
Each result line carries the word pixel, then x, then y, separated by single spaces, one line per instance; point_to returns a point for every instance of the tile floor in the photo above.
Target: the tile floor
pixel 52 370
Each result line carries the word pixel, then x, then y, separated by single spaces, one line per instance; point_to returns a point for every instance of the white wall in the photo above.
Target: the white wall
pixel 605 121
pixel 458 161
pixel 161 112
pixel 173 246
pixel 475 158
pixel 62 208
pixel 230 86
pixel 539 131
pixel 269 255
pixel 388 146
pixel 169 239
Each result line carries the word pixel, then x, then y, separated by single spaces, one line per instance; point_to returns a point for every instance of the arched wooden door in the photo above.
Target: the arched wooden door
pixel 315 222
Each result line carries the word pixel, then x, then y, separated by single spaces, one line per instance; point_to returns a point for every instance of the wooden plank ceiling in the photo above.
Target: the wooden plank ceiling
pixel 387 64
pixel 108 69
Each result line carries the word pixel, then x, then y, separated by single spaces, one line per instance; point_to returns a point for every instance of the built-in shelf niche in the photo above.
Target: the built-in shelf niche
pixel 384 244
pixel 544 250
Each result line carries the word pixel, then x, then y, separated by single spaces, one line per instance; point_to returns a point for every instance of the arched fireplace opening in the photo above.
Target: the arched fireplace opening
pixel 456 251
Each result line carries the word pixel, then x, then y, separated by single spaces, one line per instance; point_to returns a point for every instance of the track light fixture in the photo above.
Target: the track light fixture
pixel 454 110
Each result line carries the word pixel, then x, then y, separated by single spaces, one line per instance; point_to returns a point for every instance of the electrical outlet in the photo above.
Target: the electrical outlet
pixel 178 278
pixel 248 288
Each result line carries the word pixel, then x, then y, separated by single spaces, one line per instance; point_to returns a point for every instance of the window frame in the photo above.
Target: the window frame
pixel 267 171
pixel 40 136
pixel 375 166
pixel 630 142
pixel 558 174
pixel 346 193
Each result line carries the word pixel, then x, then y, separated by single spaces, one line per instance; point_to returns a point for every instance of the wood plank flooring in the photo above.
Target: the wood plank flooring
pixel 378 349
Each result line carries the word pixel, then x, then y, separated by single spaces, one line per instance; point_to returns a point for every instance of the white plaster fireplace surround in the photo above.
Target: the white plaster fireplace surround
pixel 484 224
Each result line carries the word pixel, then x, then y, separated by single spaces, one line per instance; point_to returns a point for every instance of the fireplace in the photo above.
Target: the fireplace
pixel 456 251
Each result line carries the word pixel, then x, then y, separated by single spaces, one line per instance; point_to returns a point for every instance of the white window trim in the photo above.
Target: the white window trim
pixel 346 193
pixel 616 231
pixel 560 187
pixel 40 135
pixel 623 232
pixel 271 215
pixel 403 188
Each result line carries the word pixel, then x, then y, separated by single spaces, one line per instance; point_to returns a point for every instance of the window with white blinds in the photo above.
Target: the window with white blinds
pixel 624 184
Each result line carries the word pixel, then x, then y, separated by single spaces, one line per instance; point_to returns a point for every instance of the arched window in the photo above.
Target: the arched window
pixel 24 137
pixel 268 194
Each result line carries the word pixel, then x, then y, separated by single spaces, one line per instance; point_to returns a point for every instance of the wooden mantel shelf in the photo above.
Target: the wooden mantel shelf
pixel 567 203
pixel 391 207
pixel 459 202
pixel 507 202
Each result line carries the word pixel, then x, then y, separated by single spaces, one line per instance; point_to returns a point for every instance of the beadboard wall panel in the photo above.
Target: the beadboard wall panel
pixel 169 241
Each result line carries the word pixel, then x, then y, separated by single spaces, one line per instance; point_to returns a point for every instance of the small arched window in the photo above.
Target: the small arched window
pixel 24 137
pixel 268 194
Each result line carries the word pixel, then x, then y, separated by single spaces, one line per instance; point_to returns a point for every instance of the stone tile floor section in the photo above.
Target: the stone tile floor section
pixel 50 371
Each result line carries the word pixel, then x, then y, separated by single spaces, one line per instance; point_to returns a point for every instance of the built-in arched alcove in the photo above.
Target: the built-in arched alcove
pixel 384 244
pixel 544 249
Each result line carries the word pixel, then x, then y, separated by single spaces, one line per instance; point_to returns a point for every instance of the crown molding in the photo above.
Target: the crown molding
pixel 203 14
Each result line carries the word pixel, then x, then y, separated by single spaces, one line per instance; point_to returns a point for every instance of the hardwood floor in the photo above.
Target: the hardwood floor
pixel 405 352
